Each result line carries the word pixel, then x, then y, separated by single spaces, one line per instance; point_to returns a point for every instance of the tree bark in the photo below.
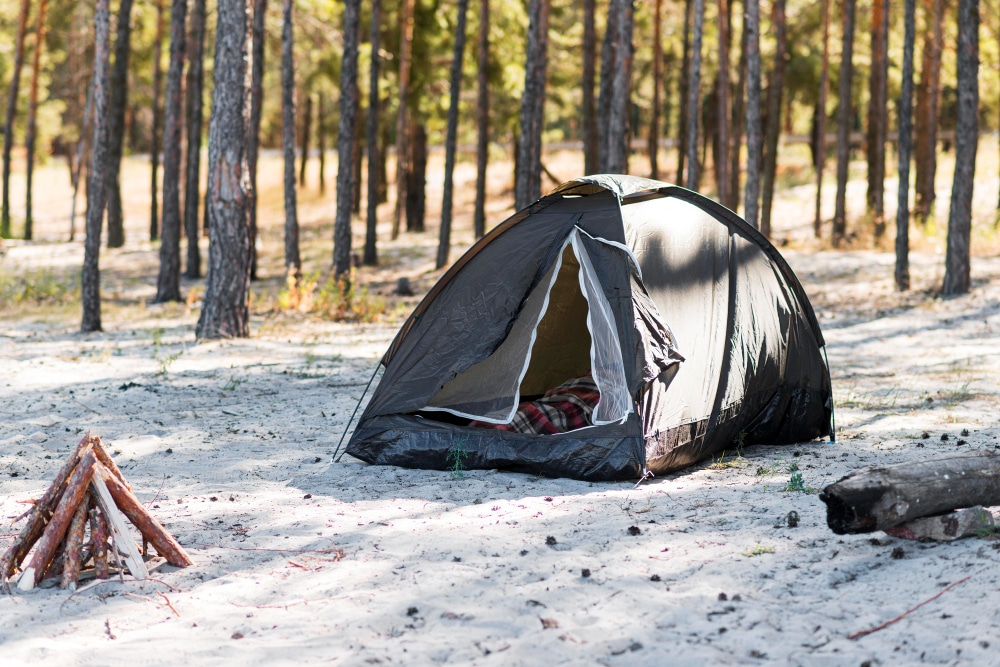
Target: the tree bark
pixel 193 103
pixel 881 497
pixel 416 188
pixel 225 313
pixel 256 101
pixel 8 127
pixel 168 284
pixel 957 270
pixel 321 148
pixel 654 121
pixel 608 56
pixel 371 228
pixel 483 111
pixel 905 149
pixel 685 87
pixel 90 284
pixel 824 87
pixel 73 542
pixel 306 128
pixel 81 145
pixel 722 106
pixel 293 263
pixel 878 115
pixel 527 188
pixel 116 129
pixel 98 540
pixel 29 141
pixel 345 140
pixel 590 134
pixel 754 138
pixel 455 86
pixel 402 127
pixel 615 139
pixel 694 96
pixel 738 119
pixel 356 150
pixel 775 85
pixel 928 103
pixel 844 122
pixel 154 211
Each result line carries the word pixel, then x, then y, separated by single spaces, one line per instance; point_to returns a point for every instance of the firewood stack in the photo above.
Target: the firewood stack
pixel 88 492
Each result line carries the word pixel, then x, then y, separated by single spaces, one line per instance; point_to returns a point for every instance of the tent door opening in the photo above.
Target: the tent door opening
pixel 560 367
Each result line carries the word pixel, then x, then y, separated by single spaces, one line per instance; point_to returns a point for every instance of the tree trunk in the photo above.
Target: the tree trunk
pixel 590 135
pixel 416 188
pixel 654 121
pixel 90 283
pixel 723 108
pixel 928 102
pixel 483 111
pixel 824 87
pixel 608 55
pixel 256 102
pixel 154 211
pixel 775 86
pixel 455 85
pixel 321 147
pixel 29 140
pixel 293 263
pixel 615 136
pixel 694 96
pixel 374 160
pixel 527 188
pixel 844 122
pixel 8 128
pixel 738 119
pixel 878 115
pixel 905 150
pixel 225 313
pixel 345 140
pixel 356 151
pixel 402 126
pixel 754 138
pixel 116 131
pixel 193 103
pixel 306 128
pixel 81 146
pixel 682 127
pixel 168 284
pixel 956 272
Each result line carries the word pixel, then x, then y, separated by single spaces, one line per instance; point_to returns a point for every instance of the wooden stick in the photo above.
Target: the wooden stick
pixel 105 459
pixel 76 488
pixel 862 633
pixel 40 515
pixel 881 497
pixel 98 539
pixel 74 540
pixel 121 540
pixel 55 568
pixel 151 529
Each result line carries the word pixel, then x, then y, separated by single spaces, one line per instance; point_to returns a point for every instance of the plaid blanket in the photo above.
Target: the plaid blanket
pixel 565 408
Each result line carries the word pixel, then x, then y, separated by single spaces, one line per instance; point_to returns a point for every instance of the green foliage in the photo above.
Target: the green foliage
pixel 38 288
pixel 457 454
pixel 757 550
pixel 334 299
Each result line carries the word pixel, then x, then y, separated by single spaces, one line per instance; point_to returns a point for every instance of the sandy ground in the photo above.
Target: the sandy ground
pixel 299 560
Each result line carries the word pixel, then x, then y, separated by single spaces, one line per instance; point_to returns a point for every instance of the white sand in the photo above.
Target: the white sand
pixel 233 439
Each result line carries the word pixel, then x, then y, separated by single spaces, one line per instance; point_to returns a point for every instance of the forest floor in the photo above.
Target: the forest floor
pixel 299 560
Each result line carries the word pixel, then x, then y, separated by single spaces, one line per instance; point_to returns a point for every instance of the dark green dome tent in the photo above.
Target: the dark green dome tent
pixel 693 328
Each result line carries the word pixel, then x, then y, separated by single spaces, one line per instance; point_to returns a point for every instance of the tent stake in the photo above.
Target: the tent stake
pixel 353 414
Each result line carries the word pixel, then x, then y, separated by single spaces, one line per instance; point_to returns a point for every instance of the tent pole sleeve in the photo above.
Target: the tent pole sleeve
pixel 350 421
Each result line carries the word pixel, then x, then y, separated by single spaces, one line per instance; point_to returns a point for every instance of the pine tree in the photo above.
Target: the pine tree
pixel 193 106
pixel 345 140
pixel 824 87
pixel 225 312
pixel 654 122
pixel 527 187
pixel 371 228
pixel 256 101
pixel 775 86
pixel 589 64
pixel 694 96
pixel 154 209
pixel 483 115
pixel 754 138
pixel 116 129
pixel 29 140
pixel 844 122
pixel 8 127
pixel 293 263
pixel 878 115
pixel 905 149
pixel 444 240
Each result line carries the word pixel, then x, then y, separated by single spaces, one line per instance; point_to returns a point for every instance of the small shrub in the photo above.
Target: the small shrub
pixel 796 483
pixel 456 459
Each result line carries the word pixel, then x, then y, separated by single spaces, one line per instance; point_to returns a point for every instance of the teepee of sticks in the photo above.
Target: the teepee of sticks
pixel 89 490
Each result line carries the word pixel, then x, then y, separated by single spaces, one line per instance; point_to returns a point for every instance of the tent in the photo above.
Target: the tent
pixel 696 333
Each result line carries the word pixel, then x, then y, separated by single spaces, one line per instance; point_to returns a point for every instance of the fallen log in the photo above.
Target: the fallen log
pixel 151 529
pixel 74 540
pixel 881 497
pixel 40 515
pixel 76 488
